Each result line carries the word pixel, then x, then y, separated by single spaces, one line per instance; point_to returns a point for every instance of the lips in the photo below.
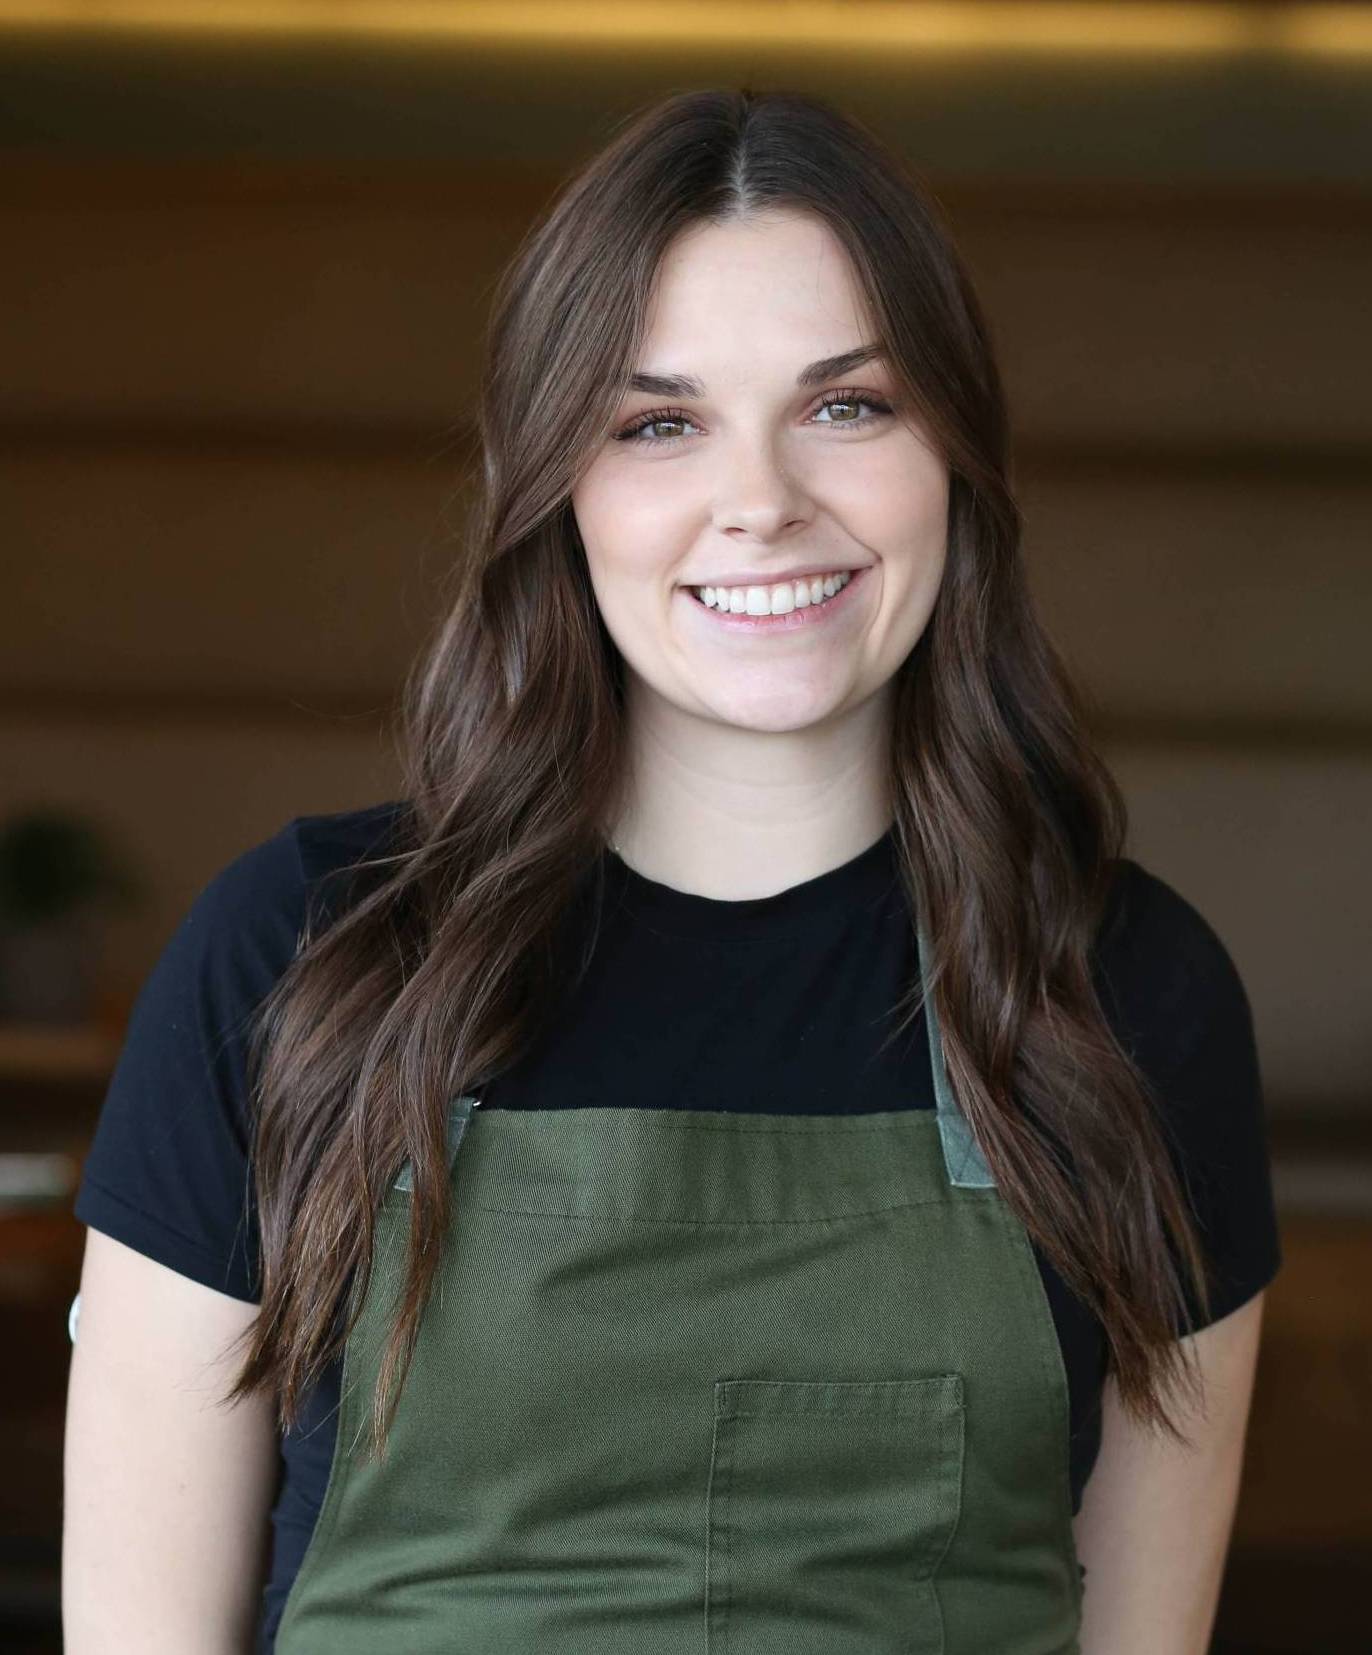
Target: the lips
pixel 801 615
pixel 762 600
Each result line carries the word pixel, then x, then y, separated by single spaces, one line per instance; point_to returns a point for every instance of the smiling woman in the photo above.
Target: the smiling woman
pixel 729 1155
pixel 775 474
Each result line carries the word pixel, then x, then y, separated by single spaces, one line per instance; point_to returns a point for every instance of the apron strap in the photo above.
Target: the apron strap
pixel 962 1156
pixel 459 1114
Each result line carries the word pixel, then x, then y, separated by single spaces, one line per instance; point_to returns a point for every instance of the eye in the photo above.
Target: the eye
pixel 853 399
pixel 645 422
pixel 635 432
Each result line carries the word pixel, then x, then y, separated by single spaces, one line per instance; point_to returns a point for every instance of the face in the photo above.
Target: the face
pixel 716 507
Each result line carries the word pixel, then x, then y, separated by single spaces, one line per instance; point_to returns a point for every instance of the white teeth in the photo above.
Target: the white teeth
pixel 773 600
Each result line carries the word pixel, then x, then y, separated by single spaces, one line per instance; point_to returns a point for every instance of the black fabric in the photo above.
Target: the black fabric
pixel 777 1003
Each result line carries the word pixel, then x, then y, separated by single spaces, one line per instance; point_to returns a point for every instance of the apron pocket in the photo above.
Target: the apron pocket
pixel 831 1504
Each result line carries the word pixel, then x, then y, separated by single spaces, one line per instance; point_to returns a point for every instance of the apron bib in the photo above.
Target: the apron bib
pixel 706 1383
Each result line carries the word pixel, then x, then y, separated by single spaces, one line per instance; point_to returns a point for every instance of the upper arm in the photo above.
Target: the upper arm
pixel 1156 1516
pixel 166 1491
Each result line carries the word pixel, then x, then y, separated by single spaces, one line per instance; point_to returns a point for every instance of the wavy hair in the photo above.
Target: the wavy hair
pixel 453 943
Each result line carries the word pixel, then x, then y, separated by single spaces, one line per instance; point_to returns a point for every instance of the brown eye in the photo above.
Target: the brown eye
pixel 645 422
pixel 853 399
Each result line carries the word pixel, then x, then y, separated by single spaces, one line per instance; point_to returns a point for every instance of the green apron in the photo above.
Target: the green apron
pixel 706 1383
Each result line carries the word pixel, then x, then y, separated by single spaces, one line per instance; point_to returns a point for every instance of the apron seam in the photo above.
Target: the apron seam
pixel 1054 1375
pixel 706 1223
pixel 870 1120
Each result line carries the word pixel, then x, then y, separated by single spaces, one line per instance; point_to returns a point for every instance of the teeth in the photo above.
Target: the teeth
pixel 773 600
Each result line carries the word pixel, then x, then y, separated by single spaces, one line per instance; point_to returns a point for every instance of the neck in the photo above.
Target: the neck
pixel 730 812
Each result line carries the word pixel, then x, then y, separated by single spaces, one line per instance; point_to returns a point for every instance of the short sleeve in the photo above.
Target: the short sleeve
pixel 1180 1008
pixel 167 1171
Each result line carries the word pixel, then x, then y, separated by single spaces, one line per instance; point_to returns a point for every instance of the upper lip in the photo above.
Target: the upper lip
pixel 762 577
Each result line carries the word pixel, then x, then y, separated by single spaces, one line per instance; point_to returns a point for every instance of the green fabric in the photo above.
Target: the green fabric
pixel 705 1381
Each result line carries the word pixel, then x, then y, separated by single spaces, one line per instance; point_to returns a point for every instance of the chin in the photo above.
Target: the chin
pixel 774 715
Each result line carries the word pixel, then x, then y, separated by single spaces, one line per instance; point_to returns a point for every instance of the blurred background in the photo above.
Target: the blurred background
pixel 247 250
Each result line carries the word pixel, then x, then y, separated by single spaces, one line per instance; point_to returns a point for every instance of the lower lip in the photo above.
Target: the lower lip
pixel 812 614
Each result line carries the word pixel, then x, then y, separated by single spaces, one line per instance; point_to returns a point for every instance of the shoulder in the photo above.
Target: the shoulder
pixel 260 900
pixel 1166 979
pixel 167 1170
pixel 333 843
pixel 236 938
pixel 1178 1005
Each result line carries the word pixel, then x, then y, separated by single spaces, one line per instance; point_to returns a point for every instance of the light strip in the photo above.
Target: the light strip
pixel 1079 26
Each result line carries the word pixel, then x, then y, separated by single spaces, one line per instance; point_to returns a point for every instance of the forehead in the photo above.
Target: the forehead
pixel 775 288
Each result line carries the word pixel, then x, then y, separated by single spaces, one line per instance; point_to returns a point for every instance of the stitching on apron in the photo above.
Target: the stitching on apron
pixel 1031 1284
pixel 802 1127
pixel 710 1223
pixel 712 1602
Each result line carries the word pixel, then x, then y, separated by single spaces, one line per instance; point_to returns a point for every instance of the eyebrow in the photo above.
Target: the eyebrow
pixel 816 373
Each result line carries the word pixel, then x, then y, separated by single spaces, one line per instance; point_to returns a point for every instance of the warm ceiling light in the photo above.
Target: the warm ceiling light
pixel 1078 26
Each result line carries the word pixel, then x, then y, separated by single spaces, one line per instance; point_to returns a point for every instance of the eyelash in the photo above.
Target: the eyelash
pixel 631 433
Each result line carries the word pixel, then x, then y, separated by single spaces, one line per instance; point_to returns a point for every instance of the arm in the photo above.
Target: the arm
pixel 1155 1518
pixel 166 1492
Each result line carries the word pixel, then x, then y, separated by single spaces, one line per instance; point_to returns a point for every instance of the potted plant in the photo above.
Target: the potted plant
pixel 58 867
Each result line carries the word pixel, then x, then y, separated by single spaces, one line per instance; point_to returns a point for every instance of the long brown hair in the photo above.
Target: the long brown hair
pixel 438 968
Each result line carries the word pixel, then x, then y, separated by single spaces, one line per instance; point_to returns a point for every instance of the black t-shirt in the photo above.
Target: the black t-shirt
pixel 774 1003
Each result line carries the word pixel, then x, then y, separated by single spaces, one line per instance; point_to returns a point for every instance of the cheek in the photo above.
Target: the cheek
pixel 894 474
pixel 625 525
pixel 900 510
pixel 628 577
pixel 926 520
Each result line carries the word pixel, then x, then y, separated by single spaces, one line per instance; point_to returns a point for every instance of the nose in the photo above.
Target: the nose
pixel 756 494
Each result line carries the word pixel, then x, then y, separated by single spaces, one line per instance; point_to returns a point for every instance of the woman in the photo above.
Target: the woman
pixel 734 1157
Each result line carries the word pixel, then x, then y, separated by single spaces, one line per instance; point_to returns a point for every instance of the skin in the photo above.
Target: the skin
pixel 1156 1518
pixel 759 761
pixel 166 1493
